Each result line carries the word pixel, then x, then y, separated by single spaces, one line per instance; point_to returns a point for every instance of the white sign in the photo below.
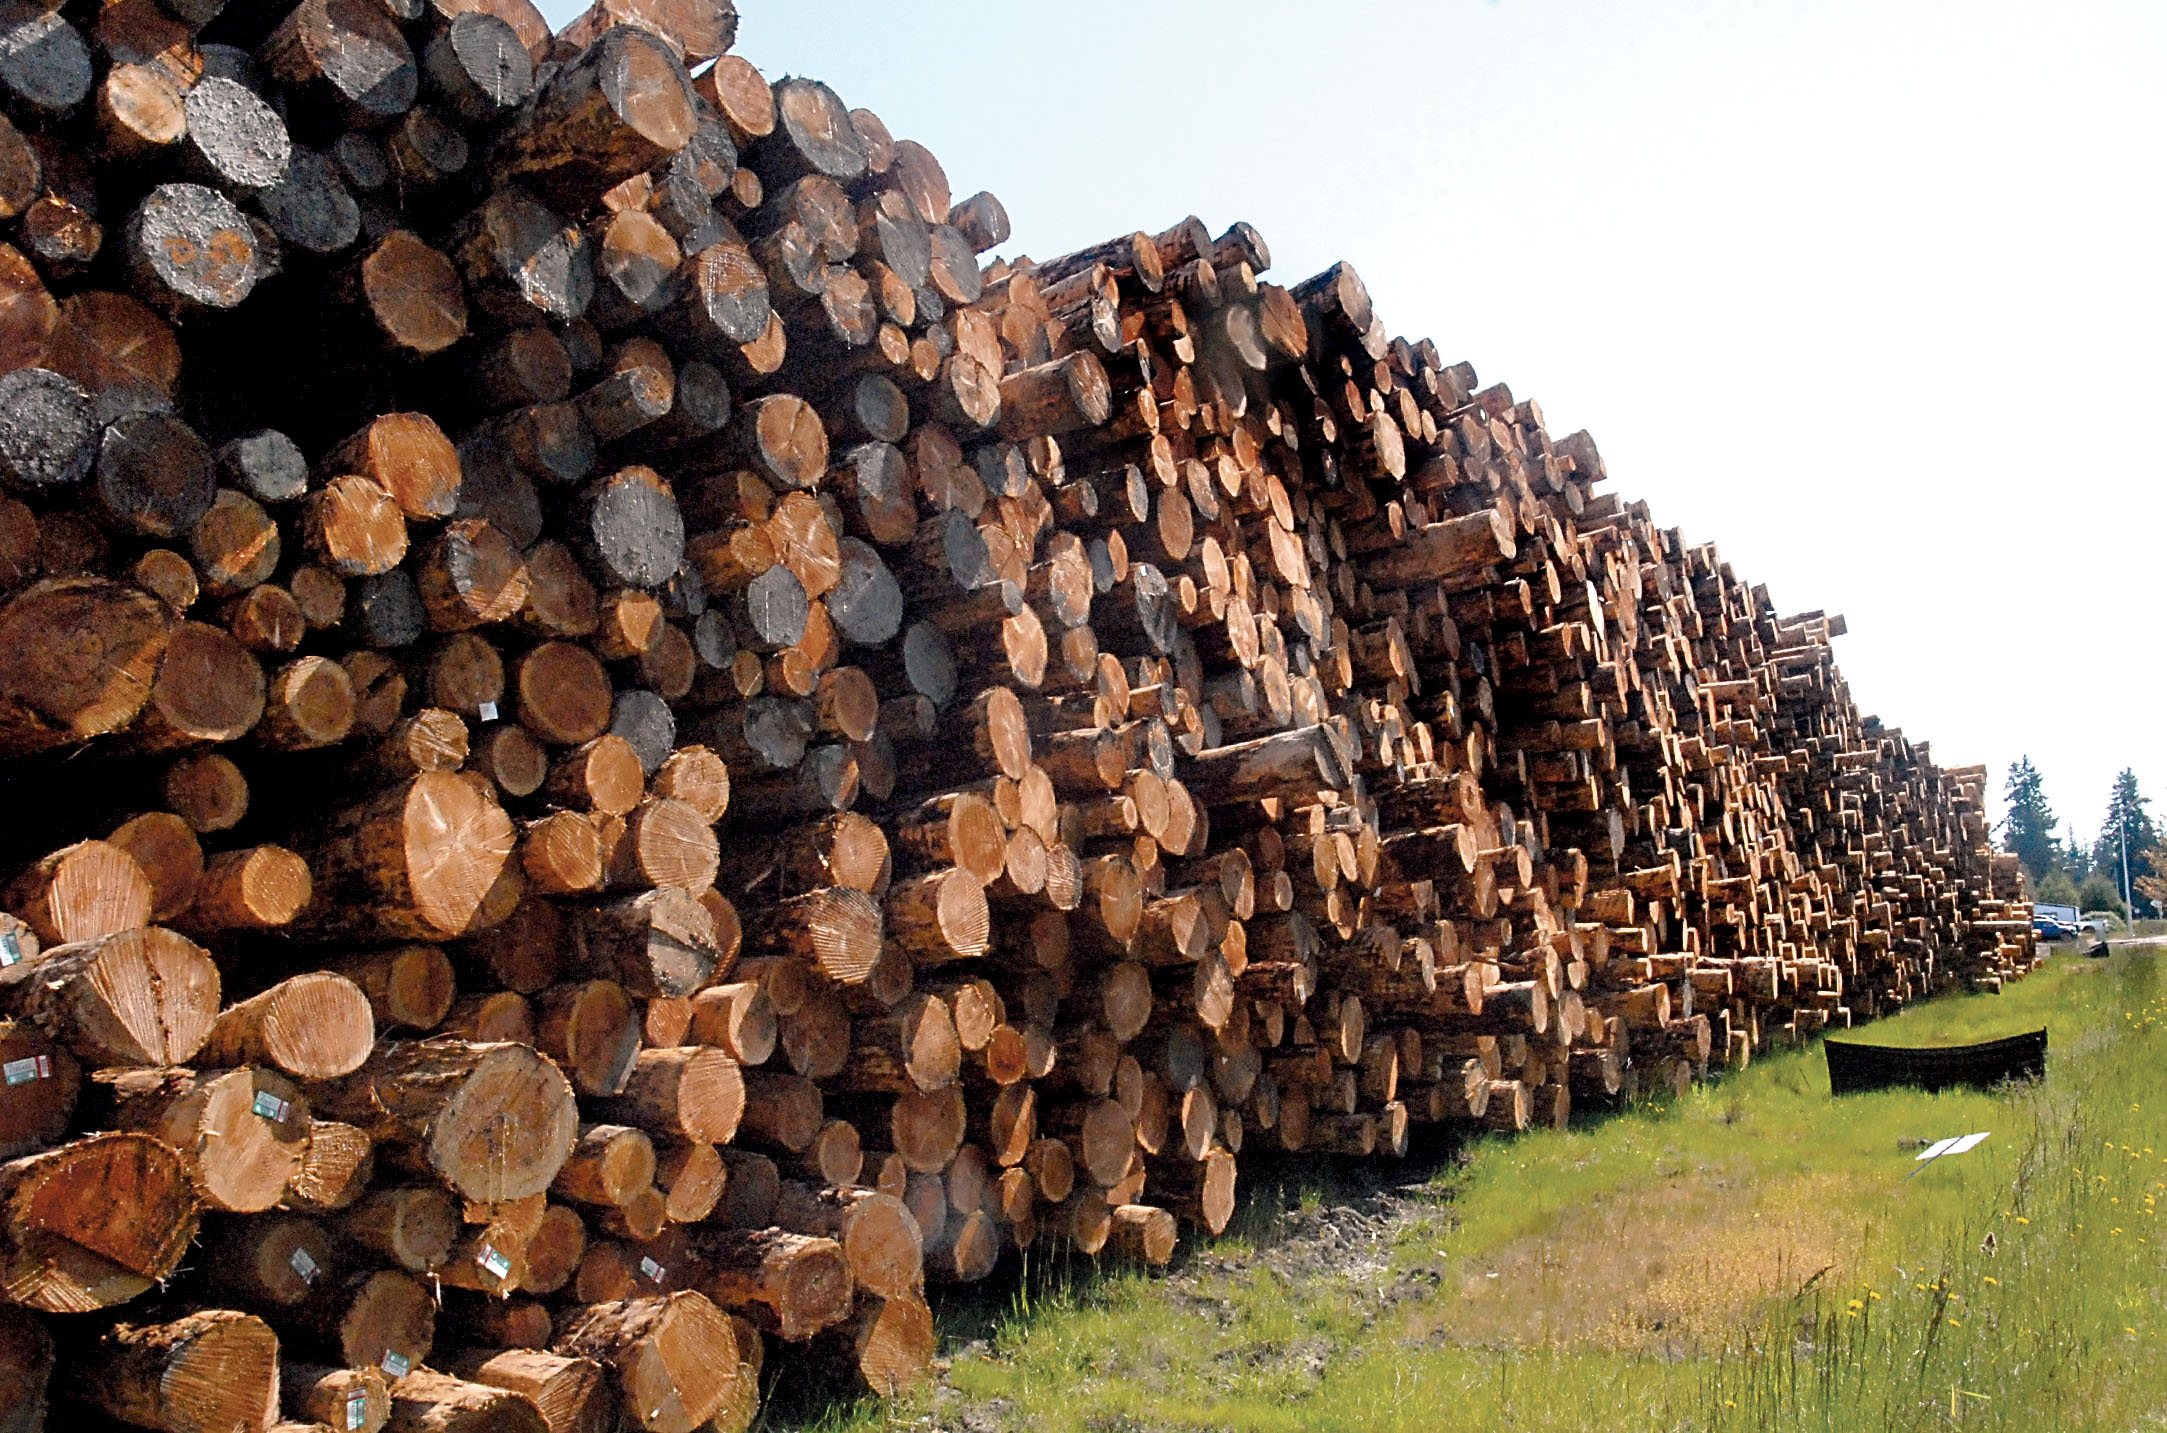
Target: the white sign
pixel 30 1067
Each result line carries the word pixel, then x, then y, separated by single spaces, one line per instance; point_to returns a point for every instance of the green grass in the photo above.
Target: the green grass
pixel 1749 1257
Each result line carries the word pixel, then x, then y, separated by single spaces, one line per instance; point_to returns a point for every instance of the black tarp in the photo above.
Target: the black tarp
pixel 1871 1067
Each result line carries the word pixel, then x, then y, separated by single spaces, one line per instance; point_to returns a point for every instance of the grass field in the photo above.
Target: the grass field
pixel 1750 1257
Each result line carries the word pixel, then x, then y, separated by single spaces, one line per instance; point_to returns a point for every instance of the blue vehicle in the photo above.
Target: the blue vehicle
pixel 2056 922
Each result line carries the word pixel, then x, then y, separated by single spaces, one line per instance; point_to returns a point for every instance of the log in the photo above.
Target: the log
pixel 837 929
pixel 1293 765
pixel 617 109
pixel 336 1166
pixel 56 693
pixel 690 1091
pixel 408 987
pixel 425 1401
pixel 83 892
pixel 738 1019
pixel 424 855
pixel 190 250
pixel 494 1122
pixel 240 1132
pixel 692 1177
pixel 609 1165
pixel 589 1029
pixel 879 1238
pixel 572 1394
pixel 383 1320
pixel 314 1027
pixel 414 1226
pixel 141 997
pixel 346 60
pixel 358 1399
pixel 211 1369
pixel 891 1343
pixel 790 1285
pixel 675 1358
pixel 782 1112
pixel 94 1223
pixel 938 917
pixel 912 1046
pixel 658 943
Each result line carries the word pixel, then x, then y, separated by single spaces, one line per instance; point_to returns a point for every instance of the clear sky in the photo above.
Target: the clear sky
pixel 1868 293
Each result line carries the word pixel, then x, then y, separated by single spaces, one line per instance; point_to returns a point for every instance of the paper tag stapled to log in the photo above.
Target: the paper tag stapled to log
pixel 28 1068
pixel 270 1106
pixel 650 1270
pixel 487 711
pixel 499 1265
pixel 304 1266
pixel 396 1365
pixel 11 949
pixel 357 1410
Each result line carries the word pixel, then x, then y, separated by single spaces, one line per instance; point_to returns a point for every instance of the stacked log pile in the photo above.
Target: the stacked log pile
pixel 622 752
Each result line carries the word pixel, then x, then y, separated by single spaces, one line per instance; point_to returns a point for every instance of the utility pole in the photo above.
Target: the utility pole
pixel 2129 906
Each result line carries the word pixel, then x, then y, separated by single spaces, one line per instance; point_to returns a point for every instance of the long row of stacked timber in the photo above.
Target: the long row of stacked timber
pixel 618 750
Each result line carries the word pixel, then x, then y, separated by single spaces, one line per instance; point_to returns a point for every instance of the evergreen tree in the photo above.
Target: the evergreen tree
pixel 2028 829
pixel 2127 820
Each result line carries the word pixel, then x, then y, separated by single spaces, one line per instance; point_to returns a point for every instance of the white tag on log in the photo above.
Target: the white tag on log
pixel 650 1270
pixel 11 949
pixel 270 1106
pixel 488 711
pixel 396 1365
pixel 357 1410
pixel 28 1068
pixel 498 1265
pixel 303 1265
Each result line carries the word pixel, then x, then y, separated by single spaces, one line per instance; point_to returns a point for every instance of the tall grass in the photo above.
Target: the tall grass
pixel 1754 1256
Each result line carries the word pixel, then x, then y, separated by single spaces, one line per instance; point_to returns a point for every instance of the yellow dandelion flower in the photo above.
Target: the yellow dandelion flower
pixel 1956 1323
pixel 2022 1220
pixel 1992 1280
pixel 1857 1304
